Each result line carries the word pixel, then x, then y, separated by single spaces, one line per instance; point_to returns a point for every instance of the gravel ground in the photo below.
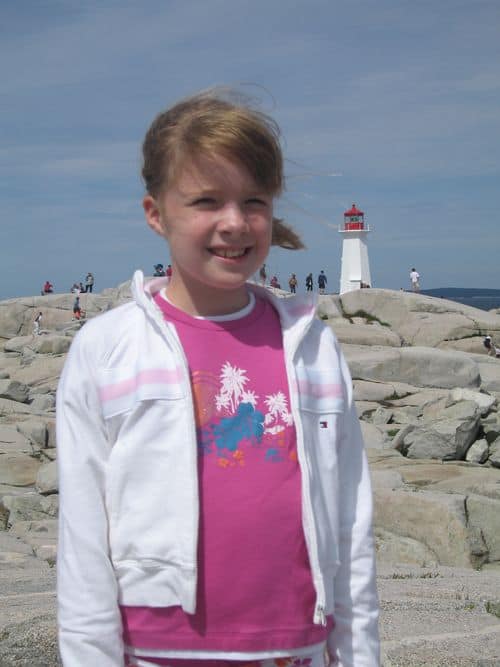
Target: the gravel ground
pixel 431 618
pixel 439 617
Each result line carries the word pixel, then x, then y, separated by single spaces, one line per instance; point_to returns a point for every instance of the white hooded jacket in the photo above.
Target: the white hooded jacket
pixel 129 505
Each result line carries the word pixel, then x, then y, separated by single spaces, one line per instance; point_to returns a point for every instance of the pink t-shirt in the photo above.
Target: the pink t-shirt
pixel 255 590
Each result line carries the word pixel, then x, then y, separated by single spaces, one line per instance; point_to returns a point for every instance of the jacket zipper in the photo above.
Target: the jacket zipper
pixel 319 617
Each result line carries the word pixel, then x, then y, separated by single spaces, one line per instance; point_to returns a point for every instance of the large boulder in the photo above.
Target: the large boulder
pixel 52 344
pixel 484 401
pixel 17 343
pixel 417 366
pixel 420 319
pixel 445 439
pixel 29 507
pixel 436 520
pixel 469 494
pixel 18 469
pixel 42 374
pixel 14 390
pixel 363 334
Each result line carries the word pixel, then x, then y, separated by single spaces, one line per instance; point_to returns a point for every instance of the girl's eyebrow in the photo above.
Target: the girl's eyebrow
pixel 196 193
pixel 199 192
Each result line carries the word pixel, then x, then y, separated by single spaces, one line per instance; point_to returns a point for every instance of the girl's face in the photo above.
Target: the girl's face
pixel 217 222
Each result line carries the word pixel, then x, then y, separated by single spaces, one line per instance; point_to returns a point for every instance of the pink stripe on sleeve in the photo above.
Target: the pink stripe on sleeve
pixel 316 390
pixel 152 376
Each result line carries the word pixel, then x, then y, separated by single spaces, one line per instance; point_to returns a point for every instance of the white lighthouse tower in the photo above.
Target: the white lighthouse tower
pixel 355 266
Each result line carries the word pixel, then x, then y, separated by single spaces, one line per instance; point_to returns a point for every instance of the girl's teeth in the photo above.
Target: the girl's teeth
pixel 229 253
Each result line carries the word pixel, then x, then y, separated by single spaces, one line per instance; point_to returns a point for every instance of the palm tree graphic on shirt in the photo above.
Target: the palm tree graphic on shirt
pixel 277 411
pixel 241 419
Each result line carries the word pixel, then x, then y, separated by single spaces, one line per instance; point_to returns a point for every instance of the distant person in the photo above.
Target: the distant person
pixel 263 274
pixel 89 282
pixel 37 323
pixel 492 349
pixel 275 282
pixel 48 287
pixel 159 271
pixel 322 280
pixel 292 283
pixel 168 272
pixel 75 289
pixel 415 280
pixel 309 282
pixel 82 288
pixel 77 311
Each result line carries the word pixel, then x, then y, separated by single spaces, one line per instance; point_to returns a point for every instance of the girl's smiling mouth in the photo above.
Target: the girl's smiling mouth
pixel 229 253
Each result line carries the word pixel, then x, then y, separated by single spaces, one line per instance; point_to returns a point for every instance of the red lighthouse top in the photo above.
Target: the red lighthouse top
pixel 353 211
pixel 353 219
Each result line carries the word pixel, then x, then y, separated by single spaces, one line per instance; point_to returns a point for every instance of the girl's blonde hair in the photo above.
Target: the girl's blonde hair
pixel 208 124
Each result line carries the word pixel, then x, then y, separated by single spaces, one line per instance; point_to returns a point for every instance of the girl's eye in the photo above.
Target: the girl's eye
pixel 257 201
pixel 203 201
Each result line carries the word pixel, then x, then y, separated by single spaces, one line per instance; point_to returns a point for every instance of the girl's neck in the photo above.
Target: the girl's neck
pixel 208 303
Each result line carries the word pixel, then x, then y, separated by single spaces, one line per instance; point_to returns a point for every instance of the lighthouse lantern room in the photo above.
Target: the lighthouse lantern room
pixel 355 271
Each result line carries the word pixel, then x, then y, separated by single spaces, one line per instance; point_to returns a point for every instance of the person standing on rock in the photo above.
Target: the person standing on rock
pixel 292 283
pixel 77 311
pixel 89 282
pixel 493 350
pixel 37 323
pixel 322 280
pixel 215 500
pixel 309 282
pixel 415 280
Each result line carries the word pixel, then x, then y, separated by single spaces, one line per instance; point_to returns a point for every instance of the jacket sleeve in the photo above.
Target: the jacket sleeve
pixel 88 613
pixel 354 640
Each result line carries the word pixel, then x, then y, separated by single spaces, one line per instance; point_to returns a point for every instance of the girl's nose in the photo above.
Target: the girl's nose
pixel 233 219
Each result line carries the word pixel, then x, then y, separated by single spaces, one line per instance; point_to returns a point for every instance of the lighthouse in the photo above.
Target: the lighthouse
pixel 355 266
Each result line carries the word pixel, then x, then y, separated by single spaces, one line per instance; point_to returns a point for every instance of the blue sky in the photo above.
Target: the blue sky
pixel 392 105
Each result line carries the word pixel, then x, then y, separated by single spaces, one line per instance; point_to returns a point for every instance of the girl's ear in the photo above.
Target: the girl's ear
pixel 153 214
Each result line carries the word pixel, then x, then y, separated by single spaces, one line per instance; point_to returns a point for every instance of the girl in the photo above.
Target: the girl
pixel 215 495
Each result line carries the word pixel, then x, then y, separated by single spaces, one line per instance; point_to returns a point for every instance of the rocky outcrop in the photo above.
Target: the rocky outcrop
pixel 416 366
pixel 426 394
pixel 418 319
pixel 17 315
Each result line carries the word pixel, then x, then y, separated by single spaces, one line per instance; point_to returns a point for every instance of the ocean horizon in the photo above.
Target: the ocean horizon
pixel 484 299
